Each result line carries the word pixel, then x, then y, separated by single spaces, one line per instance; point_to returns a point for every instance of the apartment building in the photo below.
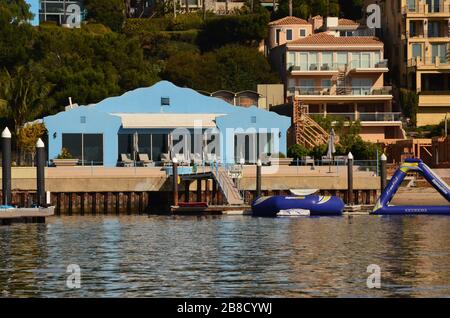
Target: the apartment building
pixel 59 11
pixel 337 73
pixel 417 31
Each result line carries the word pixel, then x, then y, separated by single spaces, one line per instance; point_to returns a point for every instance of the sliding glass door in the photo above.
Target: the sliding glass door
pixel 88 148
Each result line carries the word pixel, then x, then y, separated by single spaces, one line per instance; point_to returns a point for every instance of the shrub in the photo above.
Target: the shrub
pixel 297 151
pixel 65 154
pixel 409 102
pixel 184 22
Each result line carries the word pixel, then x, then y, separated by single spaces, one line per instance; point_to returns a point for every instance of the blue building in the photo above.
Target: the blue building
pixel 165 120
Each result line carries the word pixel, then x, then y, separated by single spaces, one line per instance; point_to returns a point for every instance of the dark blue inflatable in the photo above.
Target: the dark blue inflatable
pixel 382 205
pixel 315 204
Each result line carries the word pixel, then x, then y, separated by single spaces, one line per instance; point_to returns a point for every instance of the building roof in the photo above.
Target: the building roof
pixel 324 38
pixel 347 22
pixel 288 20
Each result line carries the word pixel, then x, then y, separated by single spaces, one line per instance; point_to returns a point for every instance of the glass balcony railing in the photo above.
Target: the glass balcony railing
pixel 428 61
pixel 337 66
pixel 377 116
pixel 339 90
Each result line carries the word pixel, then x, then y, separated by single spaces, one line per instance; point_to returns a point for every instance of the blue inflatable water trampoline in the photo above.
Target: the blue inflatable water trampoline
pixel 382 206
pixel 297 205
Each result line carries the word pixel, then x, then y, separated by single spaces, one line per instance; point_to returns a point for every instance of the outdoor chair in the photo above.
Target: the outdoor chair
pixel 182 161
pixel 340 160
pixel 211 158
pixel 165 159
pixel 326 160
pixel 266 159
pixel 197 159
pixel 144 160
pixel 125 161
pixel 307 160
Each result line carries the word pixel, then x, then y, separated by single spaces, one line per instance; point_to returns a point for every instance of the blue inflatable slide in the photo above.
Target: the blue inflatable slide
pixel 382 206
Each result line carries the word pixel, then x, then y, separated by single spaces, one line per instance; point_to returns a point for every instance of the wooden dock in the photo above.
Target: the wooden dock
pixel 25 215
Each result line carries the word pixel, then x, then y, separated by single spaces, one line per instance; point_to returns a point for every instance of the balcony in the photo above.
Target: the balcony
pixel 339 91
pixel 355 65
pixel 420 8
pixel 363 117
pixel 429 63
pixel 316 67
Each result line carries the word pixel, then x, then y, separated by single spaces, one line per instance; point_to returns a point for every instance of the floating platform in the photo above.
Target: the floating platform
pixel 25 215
pixel 382 206
pixel 210 210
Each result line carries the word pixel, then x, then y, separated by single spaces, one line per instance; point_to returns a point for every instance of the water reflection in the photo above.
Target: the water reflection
pixel 227 256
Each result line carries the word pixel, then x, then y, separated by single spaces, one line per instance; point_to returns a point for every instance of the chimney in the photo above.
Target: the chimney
pixel 70 102
pixel 290 8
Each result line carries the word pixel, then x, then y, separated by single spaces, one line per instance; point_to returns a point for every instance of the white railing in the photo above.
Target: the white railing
pixel 339 90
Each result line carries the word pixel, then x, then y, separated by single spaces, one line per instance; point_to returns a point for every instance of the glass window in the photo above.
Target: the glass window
pixel 326 83
pixel 433 29
pixel 412 5
pixel 93 149
pixel 86 147
pixel 277 36
pixel 304 61
pixel 365 60
pixel 302 33
pixel 159 146
pixel 73 143
pixel 290 59
pixel 361 86
pixel 327 60
pixel 342 58
pixel 376 58
pixel 356 60
pixel 439 51
pixel 313 60
pixel 289 34
pixel 416 50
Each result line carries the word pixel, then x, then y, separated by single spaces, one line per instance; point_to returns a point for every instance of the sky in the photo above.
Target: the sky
pixel 35 10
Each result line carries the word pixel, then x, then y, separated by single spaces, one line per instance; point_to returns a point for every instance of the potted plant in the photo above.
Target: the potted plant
pixel 65 158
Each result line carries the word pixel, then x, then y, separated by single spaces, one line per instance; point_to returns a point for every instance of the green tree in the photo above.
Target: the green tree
pixel 306 8
pixel 27 137
pixel 15 36
pixel 231 67
pixel 22 96
pixel 247 29
pixel 409 101
pixel 108 12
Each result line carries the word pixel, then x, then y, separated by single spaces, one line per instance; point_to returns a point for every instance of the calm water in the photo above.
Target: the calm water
pixel 227 256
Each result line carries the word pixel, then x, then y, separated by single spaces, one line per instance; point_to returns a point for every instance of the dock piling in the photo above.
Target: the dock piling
pixel 6 167
pixel 258 178
pixel 175 181
pixel 350 179
pixel 40 172
pixel 383 174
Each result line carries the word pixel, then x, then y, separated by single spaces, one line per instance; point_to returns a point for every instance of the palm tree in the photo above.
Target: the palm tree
pixel 22 97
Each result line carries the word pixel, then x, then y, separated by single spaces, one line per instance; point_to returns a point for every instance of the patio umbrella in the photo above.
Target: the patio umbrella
pixel 135 144
pixel 330 146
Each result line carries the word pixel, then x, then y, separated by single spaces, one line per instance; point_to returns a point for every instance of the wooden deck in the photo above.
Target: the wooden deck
pixel 25 215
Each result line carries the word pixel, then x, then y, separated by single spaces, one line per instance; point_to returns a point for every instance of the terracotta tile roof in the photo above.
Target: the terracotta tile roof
pixel 288 20
pixel 324 38
pixel 347 22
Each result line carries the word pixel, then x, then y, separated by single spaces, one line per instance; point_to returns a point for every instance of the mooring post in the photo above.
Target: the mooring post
pixel 383 174
pixel 350 179
pixel 40 172
pixel 6 166
pixel 175 181
pixel 258 178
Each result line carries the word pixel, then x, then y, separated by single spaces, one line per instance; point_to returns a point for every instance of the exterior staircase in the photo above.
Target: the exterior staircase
pixel 227 186
pixel 307 131
pixel 342 87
